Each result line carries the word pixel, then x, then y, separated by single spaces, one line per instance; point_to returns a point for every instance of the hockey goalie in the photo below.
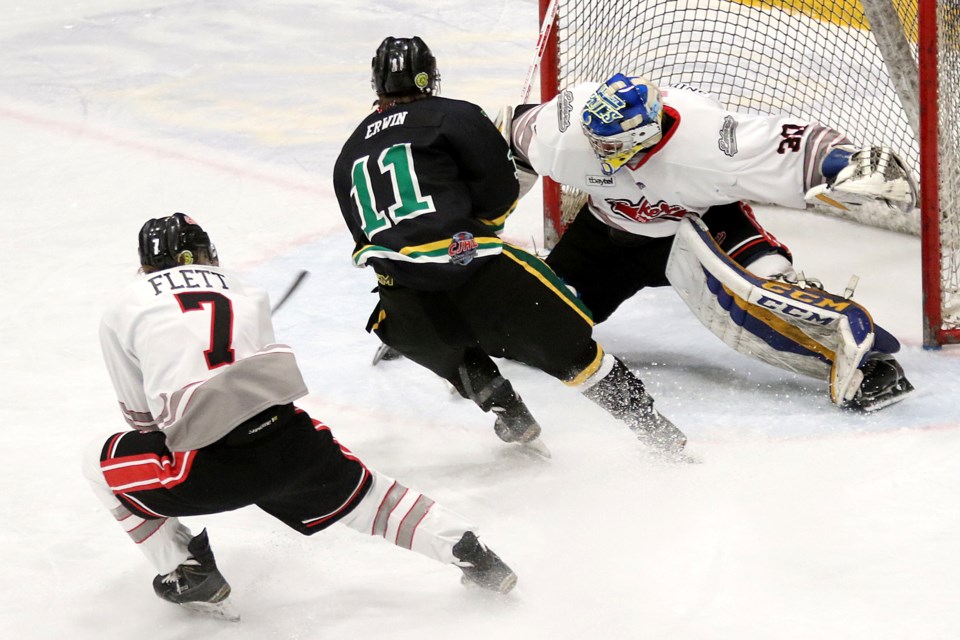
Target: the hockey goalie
pixel 668 174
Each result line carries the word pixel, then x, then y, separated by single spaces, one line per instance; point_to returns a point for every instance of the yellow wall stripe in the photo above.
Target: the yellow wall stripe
pixel 844 13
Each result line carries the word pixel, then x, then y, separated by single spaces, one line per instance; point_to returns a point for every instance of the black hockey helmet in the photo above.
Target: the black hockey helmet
pixel 404 66
pixel 174 240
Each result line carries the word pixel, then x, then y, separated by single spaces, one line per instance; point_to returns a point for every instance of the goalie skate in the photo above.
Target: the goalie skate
pixel 873 174
pixel 884 384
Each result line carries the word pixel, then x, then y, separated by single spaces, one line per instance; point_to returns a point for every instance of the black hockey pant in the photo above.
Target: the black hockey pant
pixel 607 266
pixel 514 307
pixel 293 469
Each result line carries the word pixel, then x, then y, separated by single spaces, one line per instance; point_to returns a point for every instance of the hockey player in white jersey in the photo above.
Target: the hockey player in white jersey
pixel 654 162
pixel 208 394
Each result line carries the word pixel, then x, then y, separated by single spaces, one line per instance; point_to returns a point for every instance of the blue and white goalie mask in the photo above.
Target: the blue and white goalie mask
pixel 621 118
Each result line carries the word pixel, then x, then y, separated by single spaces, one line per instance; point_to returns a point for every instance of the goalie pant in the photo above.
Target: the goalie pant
pixel 607 266
pixel 293 469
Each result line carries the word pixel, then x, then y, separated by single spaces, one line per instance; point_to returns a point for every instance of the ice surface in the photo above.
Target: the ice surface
pixel 802 522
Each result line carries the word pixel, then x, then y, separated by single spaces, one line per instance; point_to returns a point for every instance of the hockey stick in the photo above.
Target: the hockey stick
pixel 297 281
pixel 545 29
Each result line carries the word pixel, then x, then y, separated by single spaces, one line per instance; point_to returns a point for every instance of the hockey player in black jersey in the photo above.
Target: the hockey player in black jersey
pixel 425 185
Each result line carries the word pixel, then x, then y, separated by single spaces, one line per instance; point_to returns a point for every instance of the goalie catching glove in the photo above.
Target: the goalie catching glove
pixel 792 326
pixel 872 174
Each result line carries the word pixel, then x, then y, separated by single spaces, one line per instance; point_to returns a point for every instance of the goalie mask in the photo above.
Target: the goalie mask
pixel 173 241
pixel 622 118
pixel 404 66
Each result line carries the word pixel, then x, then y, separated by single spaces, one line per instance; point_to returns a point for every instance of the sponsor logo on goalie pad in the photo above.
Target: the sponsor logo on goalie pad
pixel 763 320
pixel 808 297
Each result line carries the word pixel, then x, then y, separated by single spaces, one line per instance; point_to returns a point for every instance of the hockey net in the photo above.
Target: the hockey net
pixel 814 59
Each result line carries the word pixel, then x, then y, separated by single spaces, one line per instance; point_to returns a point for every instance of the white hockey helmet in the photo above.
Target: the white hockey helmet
pixel 621 118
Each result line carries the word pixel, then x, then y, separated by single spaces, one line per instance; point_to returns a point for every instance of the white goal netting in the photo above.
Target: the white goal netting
pixel 807 58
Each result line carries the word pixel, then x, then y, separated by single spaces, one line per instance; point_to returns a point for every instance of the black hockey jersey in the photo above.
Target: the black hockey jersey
pixel 425 187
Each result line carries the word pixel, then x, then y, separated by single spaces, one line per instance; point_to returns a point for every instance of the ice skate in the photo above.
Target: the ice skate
pixel 515 424
pixel 884 384
pixel 655 430
pixel 624 396
pixel 481 566
pixel 386 352
pixel 197 584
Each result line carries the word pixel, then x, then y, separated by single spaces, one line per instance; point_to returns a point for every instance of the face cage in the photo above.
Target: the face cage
pixel 616 150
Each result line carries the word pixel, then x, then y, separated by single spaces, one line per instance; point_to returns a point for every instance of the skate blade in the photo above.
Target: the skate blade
pixel 385 352
pixel 223 610
pixel 681 458
pixel 506 585
pixel 659 456
pixel 883 402
pixel 876 405
pixel 535 447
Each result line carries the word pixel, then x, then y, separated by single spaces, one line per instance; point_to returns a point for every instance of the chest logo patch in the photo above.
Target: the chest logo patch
pixel 645 211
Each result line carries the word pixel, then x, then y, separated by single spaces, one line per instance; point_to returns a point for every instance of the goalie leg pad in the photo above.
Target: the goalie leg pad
pixel 800 329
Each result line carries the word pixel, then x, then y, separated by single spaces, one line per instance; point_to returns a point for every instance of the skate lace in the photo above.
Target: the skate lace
pixel 176 576
pixel 799 279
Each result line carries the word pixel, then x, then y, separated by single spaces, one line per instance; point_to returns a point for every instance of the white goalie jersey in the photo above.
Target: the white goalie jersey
pixel 191 351
pixel 709 156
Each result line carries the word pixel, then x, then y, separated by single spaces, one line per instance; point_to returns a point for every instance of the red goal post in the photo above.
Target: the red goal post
pixel 897 84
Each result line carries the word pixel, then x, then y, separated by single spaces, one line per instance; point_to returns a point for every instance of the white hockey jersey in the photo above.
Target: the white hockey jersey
pixel 191 351
pixel 710 156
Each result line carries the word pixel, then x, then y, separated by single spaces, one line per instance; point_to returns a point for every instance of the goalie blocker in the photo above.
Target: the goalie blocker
pixel 791 326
